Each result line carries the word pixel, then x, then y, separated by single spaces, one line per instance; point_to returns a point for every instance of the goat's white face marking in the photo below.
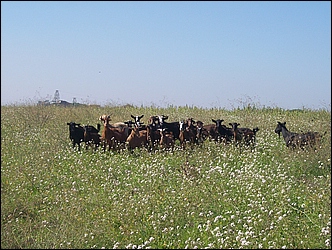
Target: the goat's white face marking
pixel 161 120
pixel 137 122
pixel 181 125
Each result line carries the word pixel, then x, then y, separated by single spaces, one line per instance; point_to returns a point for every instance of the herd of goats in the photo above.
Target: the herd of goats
pixel 159 133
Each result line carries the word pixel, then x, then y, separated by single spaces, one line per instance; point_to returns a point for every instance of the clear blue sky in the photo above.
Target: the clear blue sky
pixel 206 54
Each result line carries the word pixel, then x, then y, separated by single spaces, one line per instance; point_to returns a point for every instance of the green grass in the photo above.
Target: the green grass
pixel 213 196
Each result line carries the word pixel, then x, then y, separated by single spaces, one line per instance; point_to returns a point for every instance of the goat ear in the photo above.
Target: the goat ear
pixel 214 120
pixel 140 117
pixel 132 117
pixel 230 124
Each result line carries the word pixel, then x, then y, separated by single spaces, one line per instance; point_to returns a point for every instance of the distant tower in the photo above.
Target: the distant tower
pixel 74 101
pixel 56 98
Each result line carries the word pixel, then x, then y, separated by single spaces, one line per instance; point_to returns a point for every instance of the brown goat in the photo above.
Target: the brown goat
pixel 236 134
pixel 137 138
pixel 246 135
pixel 201 133
pixel 187 132
pixel 210 131
pixel 113 136
pixel 250 136
pixel 166 139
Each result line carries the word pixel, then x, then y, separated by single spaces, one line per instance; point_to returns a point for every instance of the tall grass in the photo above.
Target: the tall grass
pixel 212 196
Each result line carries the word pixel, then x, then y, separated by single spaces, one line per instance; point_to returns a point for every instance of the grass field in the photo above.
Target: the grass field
pixel 212 196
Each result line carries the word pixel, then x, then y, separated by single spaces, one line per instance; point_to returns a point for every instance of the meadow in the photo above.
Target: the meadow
pixel 208 196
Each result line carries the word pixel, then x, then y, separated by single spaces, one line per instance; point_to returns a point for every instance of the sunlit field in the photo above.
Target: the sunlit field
pixel 208 196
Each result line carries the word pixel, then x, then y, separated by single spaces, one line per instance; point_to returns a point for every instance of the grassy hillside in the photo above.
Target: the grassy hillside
pixel 213 196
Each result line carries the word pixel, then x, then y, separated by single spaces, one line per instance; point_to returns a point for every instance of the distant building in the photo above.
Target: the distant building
pixel 94 105
pixel 58 102
pixel 56 98
pixel 44 103
pixel 64 103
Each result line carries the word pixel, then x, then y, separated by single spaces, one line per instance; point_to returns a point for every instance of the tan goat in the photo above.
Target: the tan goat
pixel 137 138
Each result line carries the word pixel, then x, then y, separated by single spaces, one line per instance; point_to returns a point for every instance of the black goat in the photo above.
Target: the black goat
pixel 92 136
pixel 153 134
pixel 172 127
pixel 76 134
pixel 202 134
pixel 295 140
pixel 224 134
